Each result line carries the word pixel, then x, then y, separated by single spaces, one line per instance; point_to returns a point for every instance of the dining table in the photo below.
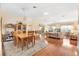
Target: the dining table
pixel 23 37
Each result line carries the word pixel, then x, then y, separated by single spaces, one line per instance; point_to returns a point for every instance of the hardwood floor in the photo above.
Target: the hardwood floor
pixel 55 48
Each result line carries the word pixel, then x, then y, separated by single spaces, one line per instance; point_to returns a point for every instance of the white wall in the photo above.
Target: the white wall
pixel 0 40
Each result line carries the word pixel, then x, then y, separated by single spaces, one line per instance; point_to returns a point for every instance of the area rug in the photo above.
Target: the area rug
pixel 11 50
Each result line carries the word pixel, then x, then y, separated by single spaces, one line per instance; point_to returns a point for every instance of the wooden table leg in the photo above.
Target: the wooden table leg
pixel 17 42
pixel 27 43
pixel 22 43
pixel 34 40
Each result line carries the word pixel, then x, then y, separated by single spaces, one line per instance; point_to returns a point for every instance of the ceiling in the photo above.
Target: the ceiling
pixel 55 11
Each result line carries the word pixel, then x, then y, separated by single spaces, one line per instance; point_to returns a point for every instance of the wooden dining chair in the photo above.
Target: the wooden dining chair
pixel 18 31
pixel 16 39
pixel 31 37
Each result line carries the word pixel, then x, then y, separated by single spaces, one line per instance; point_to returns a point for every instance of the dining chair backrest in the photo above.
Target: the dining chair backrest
pixel 14 33
pixel 19 31
pixel 30 33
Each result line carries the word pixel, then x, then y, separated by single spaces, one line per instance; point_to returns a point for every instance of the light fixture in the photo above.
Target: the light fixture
pixel 34 7
pixel 45 13
pixel 24 16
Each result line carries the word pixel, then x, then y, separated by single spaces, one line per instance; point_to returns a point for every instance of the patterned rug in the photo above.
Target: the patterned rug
pixel 11 50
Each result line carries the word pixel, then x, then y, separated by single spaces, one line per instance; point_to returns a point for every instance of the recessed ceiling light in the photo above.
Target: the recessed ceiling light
pixel 63 16
pixel 45 13
pixel 34 7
